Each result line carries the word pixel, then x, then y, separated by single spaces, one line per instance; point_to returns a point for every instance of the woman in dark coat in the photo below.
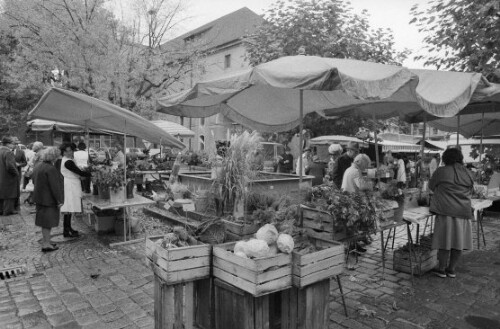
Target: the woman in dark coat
pixel 452 186
pixel 48 195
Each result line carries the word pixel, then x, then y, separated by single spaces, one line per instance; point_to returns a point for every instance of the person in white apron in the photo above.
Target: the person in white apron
pixel 72 188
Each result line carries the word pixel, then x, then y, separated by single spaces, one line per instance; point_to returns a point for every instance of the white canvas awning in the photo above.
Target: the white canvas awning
pixel 79 109
pixel 399 147
pixel 174 129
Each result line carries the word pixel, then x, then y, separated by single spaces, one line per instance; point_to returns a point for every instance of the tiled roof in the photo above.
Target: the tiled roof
pixel 221 31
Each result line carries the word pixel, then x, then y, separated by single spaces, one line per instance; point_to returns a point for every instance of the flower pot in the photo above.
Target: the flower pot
pixel 130 190
pixel 104 192
pixel 95 189
pixel 117 196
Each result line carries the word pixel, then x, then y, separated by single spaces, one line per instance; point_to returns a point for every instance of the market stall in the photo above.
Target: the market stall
pixel 79 109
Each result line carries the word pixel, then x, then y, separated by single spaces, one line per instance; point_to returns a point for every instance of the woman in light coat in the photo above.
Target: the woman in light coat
pixel 72 188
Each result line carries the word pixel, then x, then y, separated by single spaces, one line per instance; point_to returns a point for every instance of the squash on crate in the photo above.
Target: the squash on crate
pixel 259 276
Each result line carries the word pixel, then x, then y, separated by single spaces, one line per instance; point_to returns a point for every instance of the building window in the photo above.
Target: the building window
pixel 227 61
pixel 182 121
pixel 202 122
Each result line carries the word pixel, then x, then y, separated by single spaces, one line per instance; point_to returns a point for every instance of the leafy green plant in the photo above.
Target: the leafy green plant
pixel 233 172
pixel 106 177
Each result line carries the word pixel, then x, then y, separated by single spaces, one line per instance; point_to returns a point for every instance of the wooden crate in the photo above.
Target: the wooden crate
pixel 179 264
pixel 422 261
pixel 256 276
pixel 182 305
pixel 319 265
pixel 306 308
pixel 240 231
pixel 319 224
pixel 237 309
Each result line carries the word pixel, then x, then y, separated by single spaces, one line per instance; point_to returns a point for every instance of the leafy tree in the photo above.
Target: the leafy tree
pixel 326 28
pixel 461 35
pixel 82 46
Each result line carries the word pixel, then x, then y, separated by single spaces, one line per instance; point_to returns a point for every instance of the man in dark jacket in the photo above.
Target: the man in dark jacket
pixel 21 162
pixel 9 178
pixel 285 163
pixel 344 162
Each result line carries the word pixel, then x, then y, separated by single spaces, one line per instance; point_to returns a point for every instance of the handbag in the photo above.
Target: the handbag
pixel 30 187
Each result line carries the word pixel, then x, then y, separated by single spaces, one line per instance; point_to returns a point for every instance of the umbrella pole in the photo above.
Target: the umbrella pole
pixel 482 133
pixel 422 142
pixel 376 142
pixel 301 138
pixel 125 212
pixel 458 129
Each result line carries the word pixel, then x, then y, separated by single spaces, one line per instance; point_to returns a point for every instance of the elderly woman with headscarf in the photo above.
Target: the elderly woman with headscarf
pixel 48 195
pixel 335 150
pixel 452 185
pixel 352 180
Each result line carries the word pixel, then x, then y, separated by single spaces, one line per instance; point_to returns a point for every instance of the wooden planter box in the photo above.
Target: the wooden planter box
pixel 240 231
pixel 422 261
pixel 256 276
pixel 237 309
pixel 180 264
pixel 307 308
pixel 319 224
pixel 320 265
pixel 183 305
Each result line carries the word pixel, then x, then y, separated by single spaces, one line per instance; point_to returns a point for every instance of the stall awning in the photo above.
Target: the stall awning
pixel 48 125
pixel 336 139
pixel 79 109
pixel 399 147
pixel 174 129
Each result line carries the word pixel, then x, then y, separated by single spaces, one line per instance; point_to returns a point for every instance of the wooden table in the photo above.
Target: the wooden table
pixel 154 172
pixel 478 205
pixel 100 204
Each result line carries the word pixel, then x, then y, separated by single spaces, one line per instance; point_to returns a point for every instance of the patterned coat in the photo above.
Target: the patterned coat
pixel 9 176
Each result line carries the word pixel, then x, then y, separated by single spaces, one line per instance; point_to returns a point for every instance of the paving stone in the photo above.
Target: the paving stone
pixel 59 319
pixel 105 309
pixel 146 322
pixel 112 316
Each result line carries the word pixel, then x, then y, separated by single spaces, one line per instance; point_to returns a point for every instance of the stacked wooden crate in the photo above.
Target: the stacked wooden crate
pixel 176 289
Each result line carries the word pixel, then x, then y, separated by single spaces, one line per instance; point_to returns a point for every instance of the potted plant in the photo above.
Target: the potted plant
pixel 110 182
pixel 234 170
pixel 180 191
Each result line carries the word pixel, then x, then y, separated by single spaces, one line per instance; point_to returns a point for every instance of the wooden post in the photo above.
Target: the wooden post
pixel 376 142
pixel 458 128
pixel 301 138
pixel 482 133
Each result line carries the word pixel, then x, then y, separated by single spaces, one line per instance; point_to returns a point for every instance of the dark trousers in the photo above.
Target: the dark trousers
pixel 67 222
pixel 85 182
pixel 7 206
pixel 26 180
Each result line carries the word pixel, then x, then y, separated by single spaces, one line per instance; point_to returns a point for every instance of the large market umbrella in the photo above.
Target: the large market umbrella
pixel 266 97
pixel 274 96
pixel 79 109
pixel 486 124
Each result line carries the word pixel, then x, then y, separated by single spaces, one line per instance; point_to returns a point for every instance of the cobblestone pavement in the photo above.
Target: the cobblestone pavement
pixel 86 284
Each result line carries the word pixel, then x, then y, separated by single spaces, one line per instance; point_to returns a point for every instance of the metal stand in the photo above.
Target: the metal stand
pixel 342 295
